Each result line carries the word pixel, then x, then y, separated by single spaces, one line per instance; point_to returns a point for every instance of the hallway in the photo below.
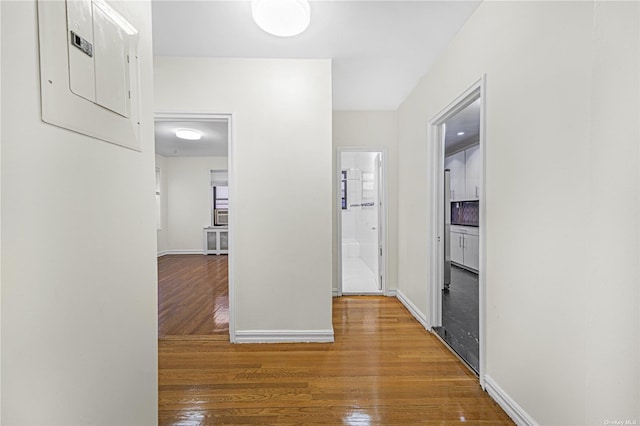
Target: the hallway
pixel 383 368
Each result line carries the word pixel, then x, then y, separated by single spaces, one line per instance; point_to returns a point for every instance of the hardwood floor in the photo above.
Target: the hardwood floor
pixel 193 296
pixel 383 369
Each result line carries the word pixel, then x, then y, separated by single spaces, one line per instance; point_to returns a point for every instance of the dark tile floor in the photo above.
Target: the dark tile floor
pixel 461 316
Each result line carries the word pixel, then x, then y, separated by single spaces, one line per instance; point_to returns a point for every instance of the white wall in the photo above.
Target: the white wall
pixel 0 226
pixel 612 267
pixel 79 319
pixel 280 202
pixel 189 200
pixel 376 129
pixel 562 200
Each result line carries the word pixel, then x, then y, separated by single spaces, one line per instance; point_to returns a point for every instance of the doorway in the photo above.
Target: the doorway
pixel 457 278
pixel 361 218
pixel 195 235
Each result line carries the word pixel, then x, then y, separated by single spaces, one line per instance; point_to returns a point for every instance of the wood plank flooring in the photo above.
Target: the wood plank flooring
pixel 383 369
pixel 193 296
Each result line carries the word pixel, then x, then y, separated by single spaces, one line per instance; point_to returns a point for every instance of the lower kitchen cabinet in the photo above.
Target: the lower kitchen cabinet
pixel 216 240
pixel 465 246
pixel 472 251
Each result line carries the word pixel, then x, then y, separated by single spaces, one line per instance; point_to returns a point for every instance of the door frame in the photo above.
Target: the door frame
pixel 231 164
pixel 435 229
pixel 382 213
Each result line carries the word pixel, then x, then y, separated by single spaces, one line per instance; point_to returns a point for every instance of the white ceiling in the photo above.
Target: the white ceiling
pixel 467 121
pixel 380 49
pixel 212 144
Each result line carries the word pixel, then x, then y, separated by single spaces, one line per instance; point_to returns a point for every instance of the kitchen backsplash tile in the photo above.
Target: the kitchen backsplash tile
pixel 465 213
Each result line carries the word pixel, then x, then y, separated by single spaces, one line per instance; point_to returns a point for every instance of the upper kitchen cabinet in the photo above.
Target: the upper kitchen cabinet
pixel 456 163
pixel 472 172
pixel 465 173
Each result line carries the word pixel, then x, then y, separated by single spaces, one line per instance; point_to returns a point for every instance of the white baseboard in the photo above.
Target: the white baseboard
pixel 284 336
pixel 517 414
pixel 422 319
pixel 166 252
pixel 390 293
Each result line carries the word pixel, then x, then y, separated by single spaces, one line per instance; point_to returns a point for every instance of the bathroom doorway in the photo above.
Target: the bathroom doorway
pixel 361 218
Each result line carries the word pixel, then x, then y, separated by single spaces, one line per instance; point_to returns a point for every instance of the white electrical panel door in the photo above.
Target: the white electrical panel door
pixel 111 69
pixel 89 70
pixel 82 80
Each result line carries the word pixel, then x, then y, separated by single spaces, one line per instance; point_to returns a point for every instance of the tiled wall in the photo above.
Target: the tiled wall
pixel 465 213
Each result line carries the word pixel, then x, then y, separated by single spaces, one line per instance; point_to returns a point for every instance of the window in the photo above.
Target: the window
pixel 158 202
pixel 220 197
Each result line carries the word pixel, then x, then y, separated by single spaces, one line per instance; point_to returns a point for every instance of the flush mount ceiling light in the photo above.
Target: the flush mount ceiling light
pixel 282 18
pixel 460 133
pixel 188 134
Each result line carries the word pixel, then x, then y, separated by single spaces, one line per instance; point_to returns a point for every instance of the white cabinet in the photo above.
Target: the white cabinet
pixel 465 173
pixel 465 246
pixel 471 247
pixel 455 163
pixel 457 248
pixel 216 240
pixel 472 172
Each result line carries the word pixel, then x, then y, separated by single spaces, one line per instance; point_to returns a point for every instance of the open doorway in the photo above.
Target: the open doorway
pixel 194 198
pixel 362 260
pixel 457 278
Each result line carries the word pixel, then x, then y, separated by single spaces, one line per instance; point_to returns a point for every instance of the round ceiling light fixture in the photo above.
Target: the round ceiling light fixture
pixel 282 18
pixel 188 134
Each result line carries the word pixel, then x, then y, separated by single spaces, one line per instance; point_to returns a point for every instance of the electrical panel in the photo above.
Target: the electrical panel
pixel 89 70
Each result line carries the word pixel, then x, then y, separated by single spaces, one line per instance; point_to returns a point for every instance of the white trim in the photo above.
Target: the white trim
pixel 163 253
pixel 334 292
pixel 516 412
pixel 435 229
pixel 284 336
pixel 392 292
pixel 413 309
pixel 232 167
pixel 230 118
pixel 383 266
pixel 166 252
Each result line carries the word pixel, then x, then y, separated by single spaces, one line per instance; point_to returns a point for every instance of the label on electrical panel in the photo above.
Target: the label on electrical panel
pixel 82 44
